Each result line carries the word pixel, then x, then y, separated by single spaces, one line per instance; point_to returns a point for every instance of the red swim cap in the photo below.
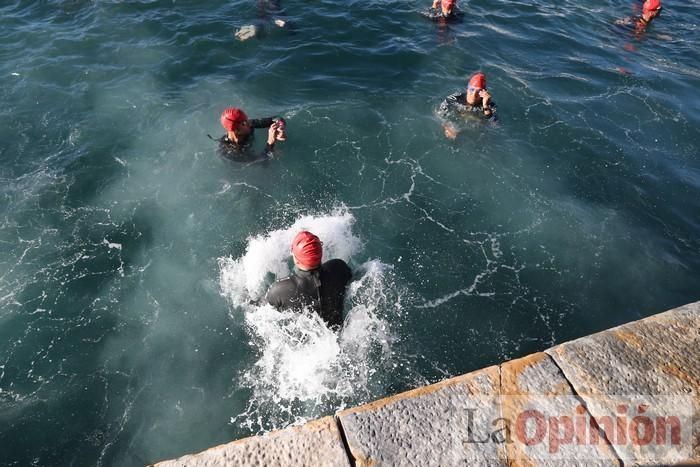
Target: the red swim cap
pixel 478 81
pixel 232 117
pixel 651 5
pixel 307 250
pixel 448 3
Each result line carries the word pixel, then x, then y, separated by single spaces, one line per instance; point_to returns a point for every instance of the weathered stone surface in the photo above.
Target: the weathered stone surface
pixel 535 383
pixel 655 356
pixel 535 374
pixel 429 425
pixel 317 443
pixel 650 367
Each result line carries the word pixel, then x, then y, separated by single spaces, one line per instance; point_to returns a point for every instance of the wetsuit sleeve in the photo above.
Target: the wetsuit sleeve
pixel 452 105
pixel 262 122
pixel 347 272
pixel 265 123
pixel 494 115
pixel 280 293
pixel 431 13
pixel 340 270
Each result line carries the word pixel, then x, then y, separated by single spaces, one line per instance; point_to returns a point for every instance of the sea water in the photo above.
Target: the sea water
pixel 133 260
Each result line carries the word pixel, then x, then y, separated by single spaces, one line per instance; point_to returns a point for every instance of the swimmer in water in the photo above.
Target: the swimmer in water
pixel 476 101
pixel 268 14
pixel 235 144
pixel 447 7
pixel 315 285
pixel 443 10
pixel 650 10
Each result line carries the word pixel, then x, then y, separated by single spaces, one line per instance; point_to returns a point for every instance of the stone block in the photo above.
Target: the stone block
pixel 315 444
pixel 433 425
pixel 653 365
pixel 535 385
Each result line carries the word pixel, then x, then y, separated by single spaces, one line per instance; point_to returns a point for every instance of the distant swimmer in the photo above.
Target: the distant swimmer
pixel 650 10
pixel 476 101
pixel 320 287
pixel 235 144
pixel 266 8
pixel 444 10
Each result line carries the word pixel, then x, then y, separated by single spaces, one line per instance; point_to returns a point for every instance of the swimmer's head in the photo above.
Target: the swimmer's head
pixel 475 88
pixel 307 250
pixel 447 6
pixel 651 9
pixel 477 82
pixel 232 117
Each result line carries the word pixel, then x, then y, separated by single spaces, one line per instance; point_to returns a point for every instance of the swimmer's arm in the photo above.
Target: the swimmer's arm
pixel 451 105
pixel 346 272
pixel 272 297
pixel 279 293
pixel 448 108
pixel 492 115
pixel 262 122
pixel 435 3
pixel 486 104
pixel 276 132
pixel 450 130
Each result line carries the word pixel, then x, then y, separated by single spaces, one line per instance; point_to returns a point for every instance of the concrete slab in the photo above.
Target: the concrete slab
pixel 440 424
pixel 317 443
pixel 532 386
pixel 648 368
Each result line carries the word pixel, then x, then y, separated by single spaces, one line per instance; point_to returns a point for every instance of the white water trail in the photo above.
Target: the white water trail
pixel 302 368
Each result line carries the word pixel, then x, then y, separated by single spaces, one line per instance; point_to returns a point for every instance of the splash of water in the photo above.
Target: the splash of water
pixel 302 368
pixel 246 279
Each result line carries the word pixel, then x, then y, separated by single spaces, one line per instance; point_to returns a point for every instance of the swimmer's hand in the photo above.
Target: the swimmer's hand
pixel 485 98
pixel 246 32
pixel 450 132
pixel 485 101
pixel 277 132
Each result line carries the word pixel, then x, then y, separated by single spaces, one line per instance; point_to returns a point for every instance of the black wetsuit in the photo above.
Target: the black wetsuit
pixel 241 151
pixel 437 15
pixel 636 24
pixel 321 289
pixel 455 105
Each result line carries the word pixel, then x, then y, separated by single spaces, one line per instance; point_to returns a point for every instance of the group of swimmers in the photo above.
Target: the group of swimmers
pixel 321 286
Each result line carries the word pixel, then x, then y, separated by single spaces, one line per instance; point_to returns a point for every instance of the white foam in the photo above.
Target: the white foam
pixel 246 279
pixel 302 368
pixel 110 245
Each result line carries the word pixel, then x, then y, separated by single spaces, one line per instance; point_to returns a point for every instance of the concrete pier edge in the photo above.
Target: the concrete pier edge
pixel 657 358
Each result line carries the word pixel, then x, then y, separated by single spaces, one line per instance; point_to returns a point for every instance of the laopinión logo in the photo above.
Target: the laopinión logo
pixel 647 429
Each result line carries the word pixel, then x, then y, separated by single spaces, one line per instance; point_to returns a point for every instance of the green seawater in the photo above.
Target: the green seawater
pixel 131 255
